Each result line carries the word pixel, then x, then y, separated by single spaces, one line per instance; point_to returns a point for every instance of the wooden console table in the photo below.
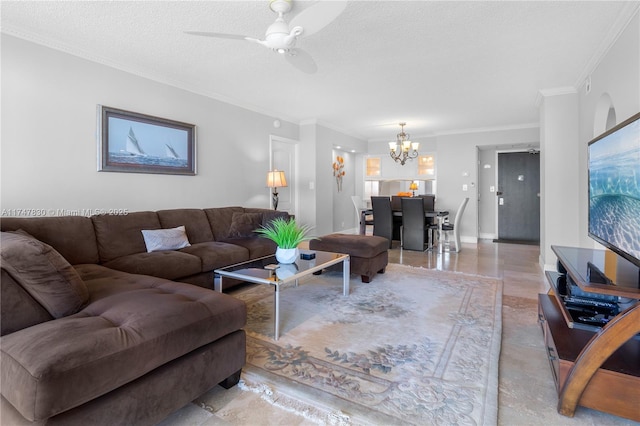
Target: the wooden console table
pixel 599 370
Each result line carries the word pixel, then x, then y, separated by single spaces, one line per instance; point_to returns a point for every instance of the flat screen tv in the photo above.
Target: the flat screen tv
pixel 614 189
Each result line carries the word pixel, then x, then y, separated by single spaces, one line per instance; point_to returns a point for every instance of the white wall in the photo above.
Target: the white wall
pixel 458 166
pixel 49 147
pixel 335 209
pixel 617 77
pixel 487 200
pixel 559 171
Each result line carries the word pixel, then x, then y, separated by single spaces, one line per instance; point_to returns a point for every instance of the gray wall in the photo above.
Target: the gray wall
pixel 616 78
pixel 568 121
pixel 49 145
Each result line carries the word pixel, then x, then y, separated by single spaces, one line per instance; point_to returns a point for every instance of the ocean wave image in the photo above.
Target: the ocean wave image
pixel 616 173
pixel 125 158
pixel 616 219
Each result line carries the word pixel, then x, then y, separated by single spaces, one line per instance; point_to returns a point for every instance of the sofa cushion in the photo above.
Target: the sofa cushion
pixel 267 215
pixel 256 246
pixel 120 235
pixel 220 220
pixel 245 224
pixel 217 254
pixel 132 325
pixel 71 236
pixel 195 220
pixel 43 273
pixel 18 309
pixel 164 264
pixel 165 239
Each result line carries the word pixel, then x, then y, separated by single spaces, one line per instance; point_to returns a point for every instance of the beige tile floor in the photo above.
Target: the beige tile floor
pixel 527 394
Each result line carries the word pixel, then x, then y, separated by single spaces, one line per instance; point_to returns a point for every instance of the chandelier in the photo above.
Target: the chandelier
pixel 400 149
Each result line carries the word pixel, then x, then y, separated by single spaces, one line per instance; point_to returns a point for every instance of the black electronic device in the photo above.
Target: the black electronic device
pixel 307 256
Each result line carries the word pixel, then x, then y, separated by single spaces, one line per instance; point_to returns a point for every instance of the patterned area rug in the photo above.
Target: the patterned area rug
pixel 414 346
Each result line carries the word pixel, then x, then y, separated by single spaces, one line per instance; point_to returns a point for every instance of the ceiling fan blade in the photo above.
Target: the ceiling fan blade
pixel 302 61
pixel 218 35
pixel 317 16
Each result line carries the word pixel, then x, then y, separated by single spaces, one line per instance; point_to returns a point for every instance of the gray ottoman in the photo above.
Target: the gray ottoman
pixel 368 253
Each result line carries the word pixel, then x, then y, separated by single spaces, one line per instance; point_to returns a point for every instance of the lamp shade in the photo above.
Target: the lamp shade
pixel 276 179
pixel 413 186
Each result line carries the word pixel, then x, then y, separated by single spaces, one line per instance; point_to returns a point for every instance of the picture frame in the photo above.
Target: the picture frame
pixel 131 142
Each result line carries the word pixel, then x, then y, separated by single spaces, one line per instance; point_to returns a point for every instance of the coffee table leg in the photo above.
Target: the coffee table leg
pixel 276 331
pixel 346 273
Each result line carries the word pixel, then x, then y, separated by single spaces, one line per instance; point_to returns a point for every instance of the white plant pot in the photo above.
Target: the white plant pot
pixel 286 255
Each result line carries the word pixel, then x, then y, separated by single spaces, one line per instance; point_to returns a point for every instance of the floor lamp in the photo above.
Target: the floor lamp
pixel 275 180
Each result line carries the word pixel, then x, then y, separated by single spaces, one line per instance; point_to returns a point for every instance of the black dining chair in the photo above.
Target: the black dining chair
pixel 429 202
pixel 382 218
pixel 396 206
pixel 415 228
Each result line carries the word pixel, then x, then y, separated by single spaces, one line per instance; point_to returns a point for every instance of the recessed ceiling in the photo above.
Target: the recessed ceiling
pixel 440 66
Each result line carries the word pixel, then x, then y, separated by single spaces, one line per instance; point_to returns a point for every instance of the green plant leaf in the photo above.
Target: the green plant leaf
pixel 285 233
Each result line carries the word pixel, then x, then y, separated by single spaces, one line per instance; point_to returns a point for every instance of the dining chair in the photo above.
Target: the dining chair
pixel 382 218
pixel 415 228
pixel 360 205
pixel 396 202
pixel 448 228
pixel 396 206
pixel 429 202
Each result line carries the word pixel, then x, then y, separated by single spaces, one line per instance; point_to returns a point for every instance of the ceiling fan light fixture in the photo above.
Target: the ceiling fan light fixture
pixel 281 39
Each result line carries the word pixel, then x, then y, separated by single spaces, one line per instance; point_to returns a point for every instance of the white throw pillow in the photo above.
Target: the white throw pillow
pixel 165 239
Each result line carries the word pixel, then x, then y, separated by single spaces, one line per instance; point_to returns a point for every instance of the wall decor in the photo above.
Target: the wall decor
pixel 138 143
pixel 338 171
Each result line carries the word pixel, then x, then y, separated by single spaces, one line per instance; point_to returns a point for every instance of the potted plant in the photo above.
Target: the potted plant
pixel 287 234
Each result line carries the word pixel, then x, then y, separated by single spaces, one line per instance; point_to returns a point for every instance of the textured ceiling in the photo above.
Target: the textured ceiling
pixel 440 66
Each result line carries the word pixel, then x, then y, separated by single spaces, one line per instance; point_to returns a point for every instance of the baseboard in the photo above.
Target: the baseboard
pixel 467 239
pixel 488 236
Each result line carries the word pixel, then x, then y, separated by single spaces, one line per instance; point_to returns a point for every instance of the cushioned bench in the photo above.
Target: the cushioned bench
pixel 368 252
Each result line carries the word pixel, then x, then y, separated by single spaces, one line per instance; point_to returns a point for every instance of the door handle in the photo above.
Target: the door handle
pixel 498 193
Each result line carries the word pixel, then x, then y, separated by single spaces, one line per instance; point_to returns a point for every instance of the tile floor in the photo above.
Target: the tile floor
pixel 527 393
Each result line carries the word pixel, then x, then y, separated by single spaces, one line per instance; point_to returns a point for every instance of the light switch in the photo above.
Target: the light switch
pixel 501 201
pixel 465 187
pixel 312 185
pixel 492 188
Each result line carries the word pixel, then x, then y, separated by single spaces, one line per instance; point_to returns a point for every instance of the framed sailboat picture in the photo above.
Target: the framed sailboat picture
pixel 137 143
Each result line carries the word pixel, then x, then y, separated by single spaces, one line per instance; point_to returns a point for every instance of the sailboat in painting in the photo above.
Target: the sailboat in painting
pixel 132 145
pixel 153 155
pixel 171 153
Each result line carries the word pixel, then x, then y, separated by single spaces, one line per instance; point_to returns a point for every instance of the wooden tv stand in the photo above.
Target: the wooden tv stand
pixel 595 369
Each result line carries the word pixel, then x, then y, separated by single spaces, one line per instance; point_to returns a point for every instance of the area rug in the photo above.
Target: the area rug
pixel 414 346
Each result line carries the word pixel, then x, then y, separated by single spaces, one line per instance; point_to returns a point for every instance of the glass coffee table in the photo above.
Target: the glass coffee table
pixel 266 270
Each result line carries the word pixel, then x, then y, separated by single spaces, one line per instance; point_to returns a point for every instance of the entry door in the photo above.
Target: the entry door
pixel 283 157
pixel 519 196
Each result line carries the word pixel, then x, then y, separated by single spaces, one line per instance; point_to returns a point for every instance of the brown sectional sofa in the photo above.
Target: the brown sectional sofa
pixel 96 330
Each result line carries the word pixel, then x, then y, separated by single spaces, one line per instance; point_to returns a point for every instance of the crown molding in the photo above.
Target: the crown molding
pixel 628 12
pixel 556 91
pixel 522 126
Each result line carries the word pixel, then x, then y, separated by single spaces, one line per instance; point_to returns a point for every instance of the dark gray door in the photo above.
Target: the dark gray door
pixel 519 196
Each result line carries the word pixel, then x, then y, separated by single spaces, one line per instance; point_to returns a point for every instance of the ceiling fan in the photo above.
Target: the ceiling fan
pixel 282 37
